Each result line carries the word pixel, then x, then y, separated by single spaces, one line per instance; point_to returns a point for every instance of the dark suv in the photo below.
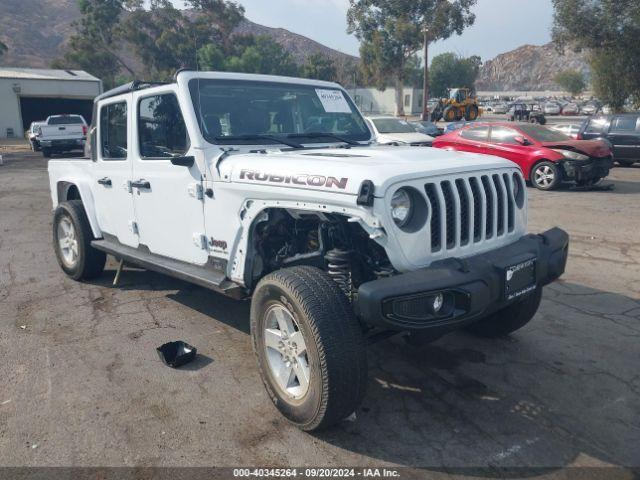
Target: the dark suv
pixel 621 130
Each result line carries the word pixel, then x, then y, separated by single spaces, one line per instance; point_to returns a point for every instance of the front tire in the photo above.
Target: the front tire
pixel 309 346
pixel 546 176
pixel 72 238
pixel 46 152
pixel 509 319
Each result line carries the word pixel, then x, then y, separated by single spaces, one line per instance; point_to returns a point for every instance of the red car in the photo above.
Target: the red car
pixel 546 157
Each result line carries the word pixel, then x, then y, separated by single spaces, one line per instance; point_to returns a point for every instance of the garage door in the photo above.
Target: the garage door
pixel 39 108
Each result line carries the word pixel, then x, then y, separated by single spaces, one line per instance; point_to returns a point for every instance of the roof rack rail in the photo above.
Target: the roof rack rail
pixel 126 88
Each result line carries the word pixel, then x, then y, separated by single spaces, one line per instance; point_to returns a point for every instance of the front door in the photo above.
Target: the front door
pixel 112 172
pixel 169 207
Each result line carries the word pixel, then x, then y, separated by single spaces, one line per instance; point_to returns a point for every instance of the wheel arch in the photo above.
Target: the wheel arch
pixel 77 190
pixel 254 212
pixel 536 162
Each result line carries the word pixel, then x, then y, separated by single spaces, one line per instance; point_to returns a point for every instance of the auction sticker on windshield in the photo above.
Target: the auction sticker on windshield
pixel 333 101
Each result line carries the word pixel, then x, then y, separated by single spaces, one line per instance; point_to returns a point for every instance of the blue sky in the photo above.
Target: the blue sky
pixel 501 25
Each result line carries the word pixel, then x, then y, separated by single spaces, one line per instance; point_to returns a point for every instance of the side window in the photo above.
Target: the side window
pixel 625 123
pixel 161 129
pixel 504 135
pixel 478 134
pixel 596 125
pixel 113 131
pixel 407 100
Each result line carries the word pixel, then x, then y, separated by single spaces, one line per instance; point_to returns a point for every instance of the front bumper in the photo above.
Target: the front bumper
pixel 585 171
pixel 473 287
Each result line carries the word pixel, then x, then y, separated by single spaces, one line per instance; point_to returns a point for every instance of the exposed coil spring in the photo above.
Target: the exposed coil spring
pixel 339 269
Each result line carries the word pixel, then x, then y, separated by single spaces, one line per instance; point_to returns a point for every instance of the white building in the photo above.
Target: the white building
pixel 372 100
pixel 31 94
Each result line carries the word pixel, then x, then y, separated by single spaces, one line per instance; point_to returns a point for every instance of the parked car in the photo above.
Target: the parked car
pixel 521 112
pixel 427 128
pixel 569 129
pixel 551 108
pixel 396 131
pixel 332 245
pixel 570 109
pixel 62 133
pixel 546 157
pixel 500 108
pixel 589 109
pixel 621 130
pixel 33 135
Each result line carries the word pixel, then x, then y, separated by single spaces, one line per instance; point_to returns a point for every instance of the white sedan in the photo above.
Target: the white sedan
pixel 396 131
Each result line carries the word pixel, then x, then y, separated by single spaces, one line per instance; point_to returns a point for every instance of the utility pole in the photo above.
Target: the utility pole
pixel 425 84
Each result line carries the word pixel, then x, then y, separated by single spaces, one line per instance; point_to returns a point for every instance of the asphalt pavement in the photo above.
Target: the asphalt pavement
pixel 82 384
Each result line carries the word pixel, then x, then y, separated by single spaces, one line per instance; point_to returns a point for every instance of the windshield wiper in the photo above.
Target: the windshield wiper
pixel 259 137
pixel 323 135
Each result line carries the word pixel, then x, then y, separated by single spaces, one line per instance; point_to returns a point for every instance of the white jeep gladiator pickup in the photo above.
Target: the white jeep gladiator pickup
pixel 268 187
pixel 61 133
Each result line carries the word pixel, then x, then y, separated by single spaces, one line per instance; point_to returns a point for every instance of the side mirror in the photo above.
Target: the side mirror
pixel 183 161
pixel 521 140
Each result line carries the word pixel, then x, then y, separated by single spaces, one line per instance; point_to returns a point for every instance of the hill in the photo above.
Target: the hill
pixel 35 39
pixel 529 68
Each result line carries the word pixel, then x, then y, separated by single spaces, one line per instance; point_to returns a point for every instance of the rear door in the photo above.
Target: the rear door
pixel 474 139
pixel 167 196
pixel 112 171
pixel 624 134
pixel 503 144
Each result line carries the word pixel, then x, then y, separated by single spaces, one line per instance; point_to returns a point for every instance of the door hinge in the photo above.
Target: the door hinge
pixel 133 227
pixel 195 190
pixel 200 241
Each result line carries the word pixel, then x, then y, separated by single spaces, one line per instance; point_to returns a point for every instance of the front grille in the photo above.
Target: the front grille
pixel 470 210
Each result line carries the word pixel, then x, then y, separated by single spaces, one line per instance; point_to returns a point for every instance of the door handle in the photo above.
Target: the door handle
pixel 105 181
pixel 141 184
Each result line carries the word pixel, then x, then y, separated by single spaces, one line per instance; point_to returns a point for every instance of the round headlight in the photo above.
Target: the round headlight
pixel 401 207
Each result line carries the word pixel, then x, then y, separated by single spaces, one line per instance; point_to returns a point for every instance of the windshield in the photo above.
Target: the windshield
pixel 66 120
pixel 543 134
pixel 258 113
pixel 392 125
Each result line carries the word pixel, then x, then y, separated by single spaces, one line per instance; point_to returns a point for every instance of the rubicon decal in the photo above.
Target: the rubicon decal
pixel 298 179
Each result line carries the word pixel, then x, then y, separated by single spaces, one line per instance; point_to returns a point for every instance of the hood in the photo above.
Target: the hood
pixel 592 148
pixel 410 137
pixel 344 170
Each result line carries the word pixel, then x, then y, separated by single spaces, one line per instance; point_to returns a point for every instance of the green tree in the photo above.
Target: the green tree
pixel 217 20
pixel 162 37
pixel 609 30
pixel 572 81
pixel 94 47
pixel 451 71
pixel 392 31
pixel 262 54
pixel 320 67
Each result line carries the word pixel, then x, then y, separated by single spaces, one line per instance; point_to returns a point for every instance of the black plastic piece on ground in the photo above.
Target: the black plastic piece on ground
pixel 175 354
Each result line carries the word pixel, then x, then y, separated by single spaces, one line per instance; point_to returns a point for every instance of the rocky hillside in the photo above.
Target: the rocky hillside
pixel 35 32
pixel 529 68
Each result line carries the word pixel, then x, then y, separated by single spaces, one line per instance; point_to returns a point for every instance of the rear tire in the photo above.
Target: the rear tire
pixel 72 238
pixel 326 382
pixel 450 114
pixel 509 319
pixel 545 176
pixel 625 163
